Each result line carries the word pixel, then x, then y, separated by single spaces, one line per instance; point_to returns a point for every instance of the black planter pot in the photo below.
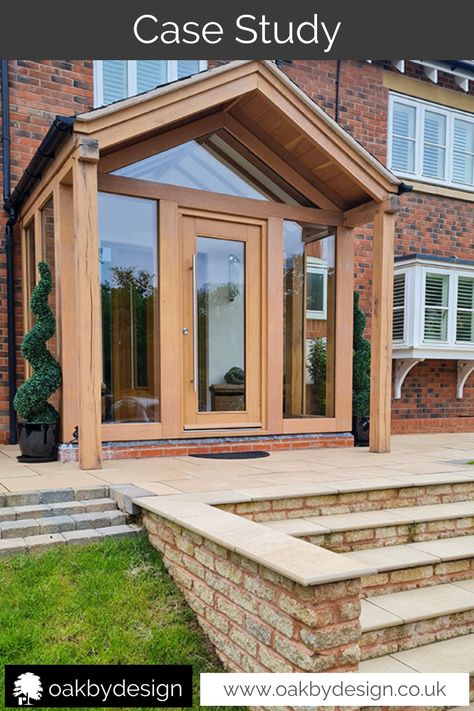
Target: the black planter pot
pixel 38 443
pixel 360 430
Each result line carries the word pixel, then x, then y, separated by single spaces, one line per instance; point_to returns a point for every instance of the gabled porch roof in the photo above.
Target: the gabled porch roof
pixel 255 101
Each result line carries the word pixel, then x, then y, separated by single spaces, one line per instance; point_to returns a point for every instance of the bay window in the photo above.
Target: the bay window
pixel 433 308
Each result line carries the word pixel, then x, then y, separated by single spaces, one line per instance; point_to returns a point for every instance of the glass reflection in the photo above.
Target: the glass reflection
pixel 309 321
pixel 129 292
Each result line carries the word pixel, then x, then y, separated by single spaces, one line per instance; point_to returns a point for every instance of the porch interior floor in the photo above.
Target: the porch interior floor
pixel 426 459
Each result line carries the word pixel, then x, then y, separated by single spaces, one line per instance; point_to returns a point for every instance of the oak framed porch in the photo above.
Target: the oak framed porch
pixel 275 122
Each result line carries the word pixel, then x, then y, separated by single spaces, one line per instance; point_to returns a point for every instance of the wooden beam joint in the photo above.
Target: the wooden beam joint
pixel 365 214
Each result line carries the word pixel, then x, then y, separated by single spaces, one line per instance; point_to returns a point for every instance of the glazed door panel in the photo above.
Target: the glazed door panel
pixel 221 325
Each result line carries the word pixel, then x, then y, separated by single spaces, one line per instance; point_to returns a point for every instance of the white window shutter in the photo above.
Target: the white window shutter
pixel 465 310
pixel 434 145
pixel 398 332
pixel 186 67
pixel 436 307
pixel 463 152
pixel 151 73
pixel 114 80
pixel 403 137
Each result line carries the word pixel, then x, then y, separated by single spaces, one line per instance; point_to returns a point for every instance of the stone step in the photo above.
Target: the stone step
pixel 51 496
pixel 38 542
pixel 64 508
pixel 398 621
pixel 373 529
pixel 452 655
pixel 60 523
pixel 416 565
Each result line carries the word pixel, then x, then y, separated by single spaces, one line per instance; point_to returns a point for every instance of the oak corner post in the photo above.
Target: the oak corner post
pixel 85 201
pixel 381 338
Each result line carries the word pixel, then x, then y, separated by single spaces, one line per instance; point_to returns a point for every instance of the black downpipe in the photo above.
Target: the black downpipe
pixel 9 246
pixel 338 80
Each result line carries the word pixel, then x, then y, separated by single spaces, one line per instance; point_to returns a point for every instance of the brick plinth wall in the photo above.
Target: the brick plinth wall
pixel 180 447
pixel 257 620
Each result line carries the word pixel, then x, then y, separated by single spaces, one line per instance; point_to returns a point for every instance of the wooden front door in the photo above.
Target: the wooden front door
pixel 221 323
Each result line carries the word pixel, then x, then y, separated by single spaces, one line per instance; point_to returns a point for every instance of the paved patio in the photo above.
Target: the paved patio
pixel 424 458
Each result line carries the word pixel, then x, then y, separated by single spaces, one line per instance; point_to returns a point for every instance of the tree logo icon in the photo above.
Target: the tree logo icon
pixel 27 688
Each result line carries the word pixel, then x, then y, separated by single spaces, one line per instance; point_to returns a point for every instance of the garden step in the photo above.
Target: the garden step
pixel 52 496
pixel 452 655
pixel 416 565
pixel 395 526
pixel 61 508
pixel 412 618
pixel 27 544
pixel 60 523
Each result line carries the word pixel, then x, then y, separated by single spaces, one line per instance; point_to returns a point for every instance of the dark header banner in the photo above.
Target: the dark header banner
pixel 322 29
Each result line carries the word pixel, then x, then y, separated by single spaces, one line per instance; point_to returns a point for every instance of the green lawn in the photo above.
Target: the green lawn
pixel 108 603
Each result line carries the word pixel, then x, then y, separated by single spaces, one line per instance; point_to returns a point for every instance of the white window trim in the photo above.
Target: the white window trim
pixel 171 75
pixel 421 107
pixel 314 266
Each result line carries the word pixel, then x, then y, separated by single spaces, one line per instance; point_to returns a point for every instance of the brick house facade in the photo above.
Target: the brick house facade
pixel 356 93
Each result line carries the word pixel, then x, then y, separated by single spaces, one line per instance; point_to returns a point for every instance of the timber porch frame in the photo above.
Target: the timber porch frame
pixel 273 119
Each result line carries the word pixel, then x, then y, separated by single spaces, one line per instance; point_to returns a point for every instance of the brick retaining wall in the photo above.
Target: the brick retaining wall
pixel 256 619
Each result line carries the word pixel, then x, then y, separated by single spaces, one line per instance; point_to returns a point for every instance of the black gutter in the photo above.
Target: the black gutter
pixel 59 129
pixel 9 243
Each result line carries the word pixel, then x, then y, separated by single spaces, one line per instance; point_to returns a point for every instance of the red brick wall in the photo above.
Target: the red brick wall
pixel 427 224
pixel 38 92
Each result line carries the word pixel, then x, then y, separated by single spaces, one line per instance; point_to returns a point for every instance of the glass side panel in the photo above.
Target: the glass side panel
pixel 220 306
pixel 128 243
pixel 309 300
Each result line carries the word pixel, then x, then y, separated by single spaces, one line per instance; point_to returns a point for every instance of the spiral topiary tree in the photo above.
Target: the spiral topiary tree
pixel 360 364
pixel 31 400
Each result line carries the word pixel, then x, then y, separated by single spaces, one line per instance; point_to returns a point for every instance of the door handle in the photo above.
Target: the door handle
pixel 185 331
pixel 195 334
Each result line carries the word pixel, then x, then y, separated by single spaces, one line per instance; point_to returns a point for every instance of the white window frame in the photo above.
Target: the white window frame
pixel 171 75
pixel 421 107
pixel 314 266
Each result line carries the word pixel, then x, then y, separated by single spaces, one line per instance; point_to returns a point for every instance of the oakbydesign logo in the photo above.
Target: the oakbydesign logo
pixel 27 687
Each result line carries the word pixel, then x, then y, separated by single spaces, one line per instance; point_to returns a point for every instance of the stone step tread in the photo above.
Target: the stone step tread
pixel 50 496
pixel 16 513
pixel 358 520
pixel 412 555
pixel 408 606
pixel 12 546
pixel 58 524
pixel 451 655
